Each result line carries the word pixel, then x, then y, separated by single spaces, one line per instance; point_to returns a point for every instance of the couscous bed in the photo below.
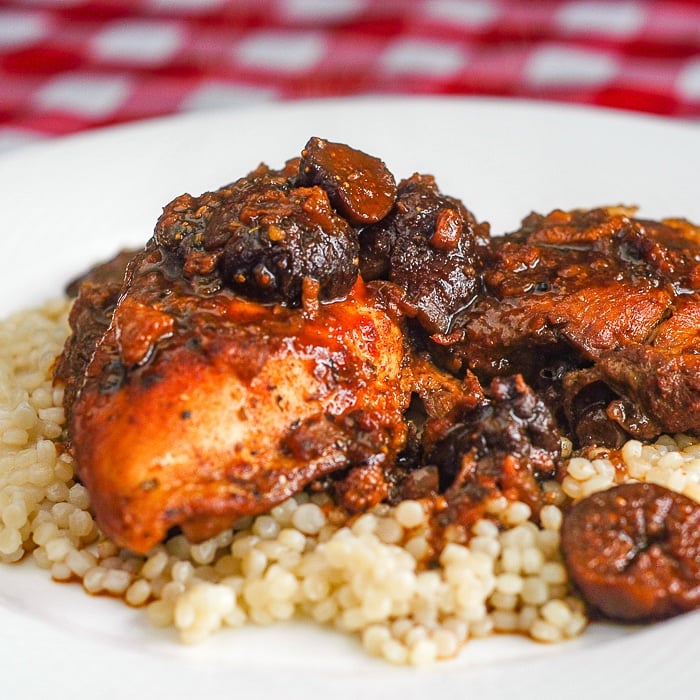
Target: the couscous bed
pixel 306 557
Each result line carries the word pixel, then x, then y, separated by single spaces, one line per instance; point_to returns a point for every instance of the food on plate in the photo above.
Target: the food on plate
pixel 584 304
pixel 429 246
pixel 634 551
pixel 318 391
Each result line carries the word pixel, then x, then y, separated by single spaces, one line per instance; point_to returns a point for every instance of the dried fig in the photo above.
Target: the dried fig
pixel 634 551
pixel 359 186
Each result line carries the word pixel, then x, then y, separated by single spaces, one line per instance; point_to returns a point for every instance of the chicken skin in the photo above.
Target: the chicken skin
pixel 234 413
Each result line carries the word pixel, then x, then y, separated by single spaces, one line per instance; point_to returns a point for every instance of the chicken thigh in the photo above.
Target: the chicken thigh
pixel 242 358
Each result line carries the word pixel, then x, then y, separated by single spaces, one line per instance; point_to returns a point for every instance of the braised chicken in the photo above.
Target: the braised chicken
pixel 322 327
pixel 598 310
pixel 243 357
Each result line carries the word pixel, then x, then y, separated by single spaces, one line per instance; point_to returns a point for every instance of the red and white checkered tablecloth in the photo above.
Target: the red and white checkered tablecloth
pixel 71 65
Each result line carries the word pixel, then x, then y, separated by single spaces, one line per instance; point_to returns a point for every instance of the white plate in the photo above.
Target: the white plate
pixel 69 203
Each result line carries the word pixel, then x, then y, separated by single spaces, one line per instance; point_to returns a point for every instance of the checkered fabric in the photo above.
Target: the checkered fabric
pixel 71 65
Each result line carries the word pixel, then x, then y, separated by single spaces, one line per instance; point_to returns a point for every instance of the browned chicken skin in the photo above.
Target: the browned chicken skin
pixel 322 327
pixel 233 413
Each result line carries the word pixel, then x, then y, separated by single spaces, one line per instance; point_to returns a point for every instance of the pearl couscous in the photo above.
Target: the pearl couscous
pixel 305 558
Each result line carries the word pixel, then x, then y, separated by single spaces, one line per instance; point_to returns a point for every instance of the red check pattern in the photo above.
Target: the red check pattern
pixel 71 65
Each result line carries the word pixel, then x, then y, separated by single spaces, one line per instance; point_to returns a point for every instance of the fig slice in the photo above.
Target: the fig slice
pixel 359 186
pixel 633 551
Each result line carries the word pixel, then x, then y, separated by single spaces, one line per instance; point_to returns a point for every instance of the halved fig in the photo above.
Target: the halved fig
pixel 359 186
pixel 634 551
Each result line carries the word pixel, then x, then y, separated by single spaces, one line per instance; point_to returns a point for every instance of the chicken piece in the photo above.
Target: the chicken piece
pixel 237 407
pixel 244 359
pixel 593 308
pixel 565 284
pixel 649 389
